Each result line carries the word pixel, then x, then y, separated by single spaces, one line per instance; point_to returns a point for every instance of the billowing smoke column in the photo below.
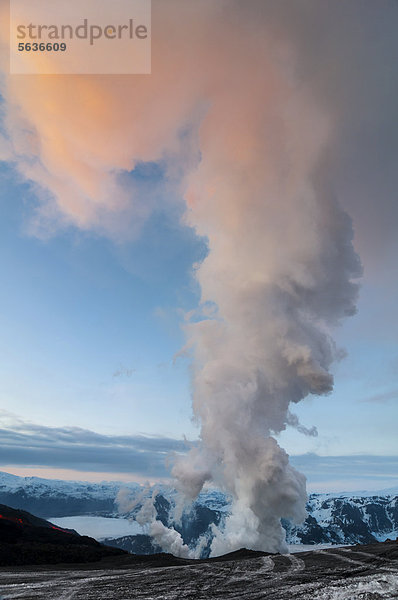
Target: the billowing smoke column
pixel 277 277
pixel 244 138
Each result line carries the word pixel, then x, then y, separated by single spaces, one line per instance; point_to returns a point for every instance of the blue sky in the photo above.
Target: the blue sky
pixel 89 326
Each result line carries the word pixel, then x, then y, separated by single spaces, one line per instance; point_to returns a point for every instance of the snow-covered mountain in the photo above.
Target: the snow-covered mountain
pixel 57 498
pixel 345 518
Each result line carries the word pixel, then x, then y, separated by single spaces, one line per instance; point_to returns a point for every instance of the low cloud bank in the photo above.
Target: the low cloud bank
pixel 24 444
pixel 28 444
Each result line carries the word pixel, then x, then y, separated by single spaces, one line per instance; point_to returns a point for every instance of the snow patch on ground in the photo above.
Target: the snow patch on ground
pixel 98 528
pixel 376 586
pixel 101 528
pixel 390 535
pixel 293 548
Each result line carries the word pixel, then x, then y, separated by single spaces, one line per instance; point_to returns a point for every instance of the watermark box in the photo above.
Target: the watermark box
pixel 58 37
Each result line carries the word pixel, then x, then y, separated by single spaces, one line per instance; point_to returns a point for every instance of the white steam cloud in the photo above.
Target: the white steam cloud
pixel 225 109
pixel 277 277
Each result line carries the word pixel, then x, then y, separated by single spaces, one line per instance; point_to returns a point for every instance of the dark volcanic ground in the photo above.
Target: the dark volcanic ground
pixel 359 572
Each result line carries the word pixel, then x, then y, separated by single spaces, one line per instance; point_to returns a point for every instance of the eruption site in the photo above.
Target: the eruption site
pixel 243 140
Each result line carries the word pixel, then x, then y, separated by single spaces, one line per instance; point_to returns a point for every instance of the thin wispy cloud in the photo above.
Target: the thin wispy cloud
pixel 123 371
pixel 347 473
pixel 382 398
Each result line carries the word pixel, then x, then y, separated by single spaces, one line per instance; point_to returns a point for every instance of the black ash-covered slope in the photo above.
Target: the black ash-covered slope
pixel 355 573
pixel 26 539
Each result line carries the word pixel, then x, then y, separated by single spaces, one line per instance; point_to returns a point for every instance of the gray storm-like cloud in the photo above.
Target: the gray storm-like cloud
pixel 29 444
pixel 347 57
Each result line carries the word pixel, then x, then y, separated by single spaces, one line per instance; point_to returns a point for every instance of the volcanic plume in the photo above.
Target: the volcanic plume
pixel 277 277
pixel 243 142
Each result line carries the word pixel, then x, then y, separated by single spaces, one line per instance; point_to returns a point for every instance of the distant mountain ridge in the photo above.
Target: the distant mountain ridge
pixel 345 518
pixel 58 498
